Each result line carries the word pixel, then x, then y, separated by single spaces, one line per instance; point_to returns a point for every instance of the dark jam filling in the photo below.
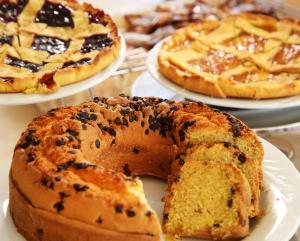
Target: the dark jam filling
pixel 74 64
pixel 5 39
pixel 22 64
pixel 96 42
pixel 9 11
pixel 55 15
pixel 48 80
pixel 97 17
pixel 7 79
pixel 50 44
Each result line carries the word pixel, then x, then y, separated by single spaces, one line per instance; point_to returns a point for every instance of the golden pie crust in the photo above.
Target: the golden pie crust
pixel 53 43
pixel 245 56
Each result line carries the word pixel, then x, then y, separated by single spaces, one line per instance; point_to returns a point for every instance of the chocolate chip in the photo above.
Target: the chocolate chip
pixel 154 126
pixel 97 143
pixel 230 203
pixel 93 117
pixel 132 117
pixel 118 121
pixel 181 135
pixel 124 96
pixel 81 165
pixel 136 150
pixel 59 206
pixel 64 165
pixel 216 225
pixel 99 220
pixel 76 146
pixel 84 126
pixel 174 108
pixel 113 142
pixel 187 124
pixel 119 208
pixel 112 132
pixel 107 129
pixel 142 123
pixel 70 138
pixel 63 195
pixel 30 157
pixel 125 121
pixel 232 190
pixel 51 185
pixel 166 216
pixel 148 213
pixel 126 170
pixel 242 157
pixel 40 233
pixel 57 178
pixel 181 162
pixel 59 142
pixel 125 111
pixel 236 125
pixel 44 181
pixel 147 131
pixel 227 144
pixel 130 213
pixel 31 139
pixel 80 188
pixel 72 132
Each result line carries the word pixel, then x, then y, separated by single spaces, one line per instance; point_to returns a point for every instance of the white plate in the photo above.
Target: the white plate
pixel 23 99
pixel 145 85
pixel 228 102
pixel 280 201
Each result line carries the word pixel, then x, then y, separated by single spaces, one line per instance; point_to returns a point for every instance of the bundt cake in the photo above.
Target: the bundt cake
pixel 73 175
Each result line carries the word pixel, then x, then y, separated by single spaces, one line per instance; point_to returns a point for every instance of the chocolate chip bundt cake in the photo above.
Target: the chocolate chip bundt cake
pixel 73 175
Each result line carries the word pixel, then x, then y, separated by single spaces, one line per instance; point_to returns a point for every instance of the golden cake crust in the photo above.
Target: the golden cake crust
pixel 81 158
pixel 48 57
pixel 244 56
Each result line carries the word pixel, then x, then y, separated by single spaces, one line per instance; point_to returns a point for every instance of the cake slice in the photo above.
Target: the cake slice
pixel 208 200
pixel 227 153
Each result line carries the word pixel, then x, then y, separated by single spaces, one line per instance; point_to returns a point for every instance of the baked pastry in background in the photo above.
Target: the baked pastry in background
pixel 73 175
pixel 48 44
pixel 245 56
pixel 148 28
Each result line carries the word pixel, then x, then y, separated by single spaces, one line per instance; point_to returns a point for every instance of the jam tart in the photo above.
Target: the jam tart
pixel 244 56
pixel 48 44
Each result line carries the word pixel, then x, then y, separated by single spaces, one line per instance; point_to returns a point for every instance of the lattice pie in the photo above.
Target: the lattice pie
pixel 246 56
pixel 48 44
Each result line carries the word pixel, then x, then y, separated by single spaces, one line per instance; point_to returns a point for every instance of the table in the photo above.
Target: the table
pixel 13 119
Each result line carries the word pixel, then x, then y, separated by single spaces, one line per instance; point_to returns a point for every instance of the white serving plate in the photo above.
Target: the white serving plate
pixel 152 65
pixel 24 99
pixel 280 201
pixel 145 85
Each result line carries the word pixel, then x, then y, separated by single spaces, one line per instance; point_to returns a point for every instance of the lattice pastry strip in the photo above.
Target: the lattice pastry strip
pixel 249 56
pixel 54 43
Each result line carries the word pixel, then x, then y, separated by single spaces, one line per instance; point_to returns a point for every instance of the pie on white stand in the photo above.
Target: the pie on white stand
pixel 25 99
pixel 152 66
